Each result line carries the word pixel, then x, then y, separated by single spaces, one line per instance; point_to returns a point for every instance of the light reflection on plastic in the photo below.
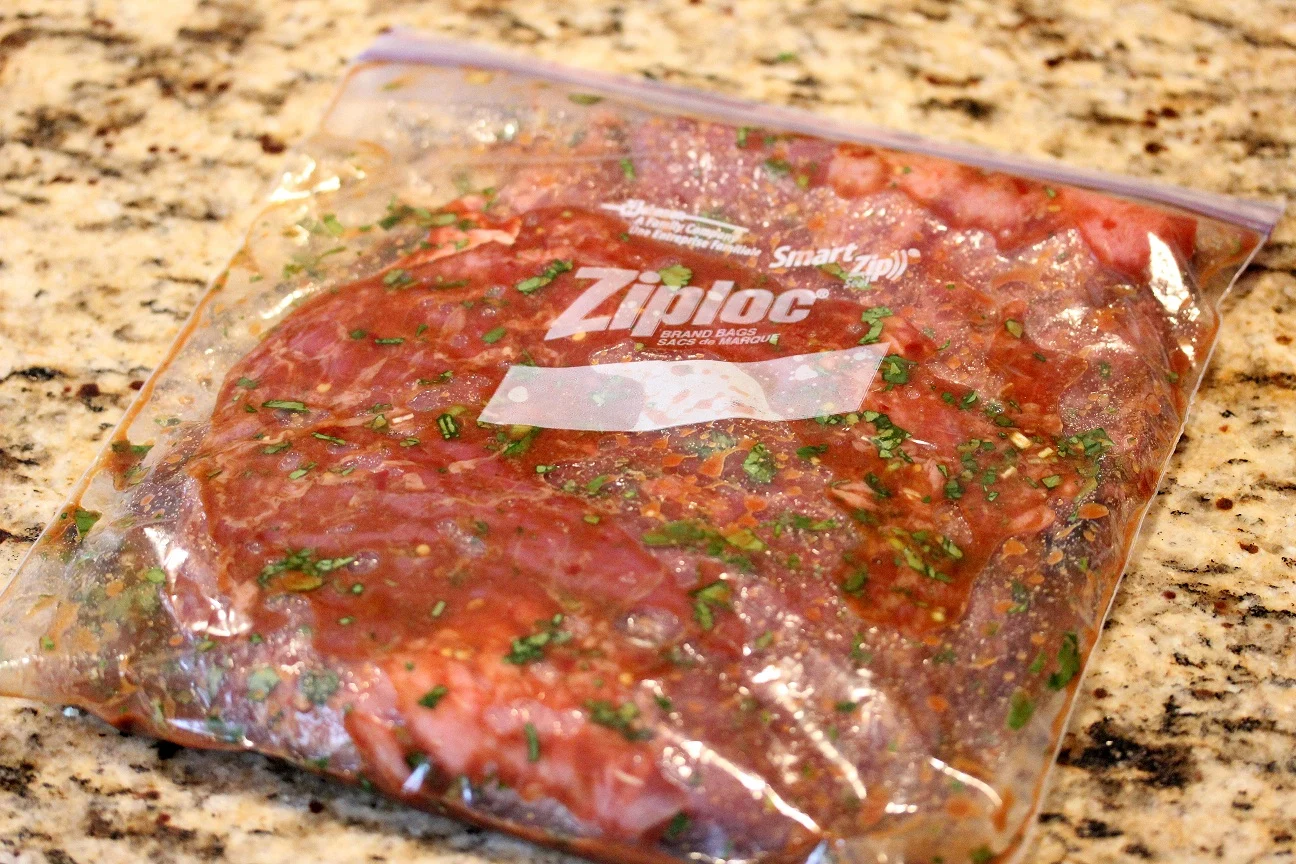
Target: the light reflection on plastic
pixel 753 783
pixel 784 695
pixel 658 394
pixel 1167 280
pixel 967 780
pixel 414 782
pixel 279 308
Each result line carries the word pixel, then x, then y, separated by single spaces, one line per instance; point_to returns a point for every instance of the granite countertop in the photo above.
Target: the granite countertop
pixel 136 138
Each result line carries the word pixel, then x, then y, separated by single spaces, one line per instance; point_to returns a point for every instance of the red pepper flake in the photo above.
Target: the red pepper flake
pixel 1092 511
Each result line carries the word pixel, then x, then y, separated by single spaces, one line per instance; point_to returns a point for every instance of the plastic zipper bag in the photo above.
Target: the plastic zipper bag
pixel 646 473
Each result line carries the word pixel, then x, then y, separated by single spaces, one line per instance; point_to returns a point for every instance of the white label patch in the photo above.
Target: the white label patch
pixel 657 394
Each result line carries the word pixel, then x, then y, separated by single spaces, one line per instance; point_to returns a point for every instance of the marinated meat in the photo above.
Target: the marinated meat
pixel 731 640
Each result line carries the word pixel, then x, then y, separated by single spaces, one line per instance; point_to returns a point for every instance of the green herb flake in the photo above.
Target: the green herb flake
pixel 873 316
pixel 531 648
pixel 584 98
pixel 1020 710
pixel 627 168
pixel 287 405
pixel 390 340
pixel 1014 328
pixel 85 520
pixel 301 472
pixel 895 369
pixel 811 450
pixel 332 439
pixel 434 696
pixel 759 464
pixel 532 742
pixel 677 826
pixel 620 718
pixel 707 599
pixel 855 581
pixel 845 706
pixel 778 167
pixel 593 486
pixel 448 426
pixel 318 686
pixel 156 575
pixel 1068 659
pixel 261 682
pixel 551 272
pixel 1051 482
pixel 397 278
pixel 490 337
pixel 271 449
pixel 981 854
pixel 248 383
pixel 676 275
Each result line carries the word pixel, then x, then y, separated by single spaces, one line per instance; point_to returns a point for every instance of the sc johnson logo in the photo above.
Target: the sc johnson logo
pixel 648 304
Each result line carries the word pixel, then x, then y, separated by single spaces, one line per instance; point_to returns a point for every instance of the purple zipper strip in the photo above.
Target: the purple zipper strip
pixel 407 47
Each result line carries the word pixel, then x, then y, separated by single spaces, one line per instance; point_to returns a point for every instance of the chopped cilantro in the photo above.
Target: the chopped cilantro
pixel 759 464
pixel 318 686
pixel 434 696
pixel 301 472
pixel 448 425
pixel 873 317
pixel 778 167
pixel 628 168
pixel 287 405
pixel 621 718
pixel 676 275
pixel 85 520
pixel 260 682
pixel 397 278
pixel 551 272
pixel 248 383
pixel 855 581
pixel 811 450
pixel 1014 328
pixel 532 742
pixel 895 369
pixel 332 439
pixel 1020 710
pixel 490 337
pixel 584 98
pixel 1068 659
pixel 707 598
pixel 531 648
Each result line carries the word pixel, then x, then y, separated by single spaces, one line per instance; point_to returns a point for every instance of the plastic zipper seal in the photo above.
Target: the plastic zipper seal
pixel 402 46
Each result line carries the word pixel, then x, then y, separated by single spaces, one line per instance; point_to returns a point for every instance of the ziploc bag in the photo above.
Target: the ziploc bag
pixel 648 474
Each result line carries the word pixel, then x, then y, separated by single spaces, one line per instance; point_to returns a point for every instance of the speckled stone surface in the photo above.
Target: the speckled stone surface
pixel 136 137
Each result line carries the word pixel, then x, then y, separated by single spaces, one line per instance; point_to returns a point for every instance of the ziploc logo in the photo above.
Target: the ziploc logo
pixel 864 269
pixel 648 304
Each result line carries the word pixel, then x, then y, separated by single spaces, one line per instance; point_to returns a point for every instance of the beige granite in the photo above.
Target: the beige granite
pixel 137 135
